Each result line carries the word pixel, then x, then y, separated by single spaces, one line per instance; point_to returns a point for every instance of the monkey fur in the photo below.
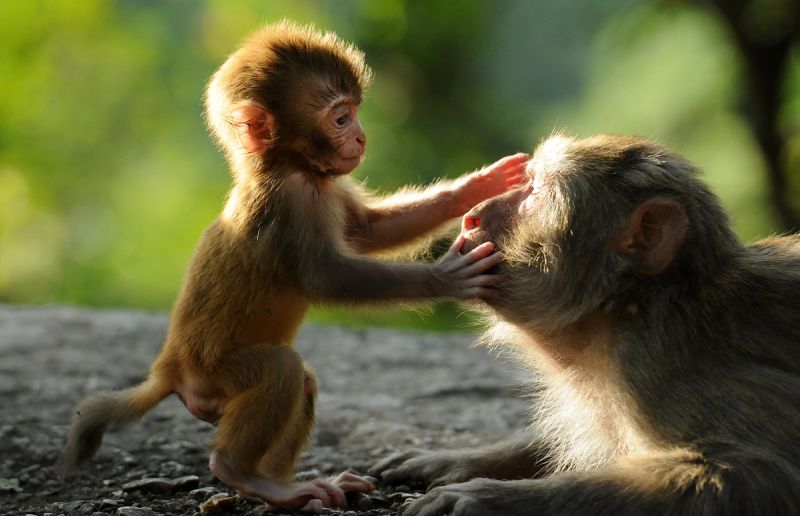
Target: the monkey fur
pixel 295 230
pixel 666 353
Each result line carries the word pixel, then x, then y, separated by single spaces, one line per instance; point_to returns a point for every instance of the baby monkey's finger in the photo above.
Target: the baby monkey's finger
pixel 484 264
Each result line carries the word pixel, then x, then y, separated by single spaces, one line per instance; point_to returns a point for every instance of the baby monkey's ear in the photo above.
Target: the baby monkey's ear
pixel 653 236
pixel 255 127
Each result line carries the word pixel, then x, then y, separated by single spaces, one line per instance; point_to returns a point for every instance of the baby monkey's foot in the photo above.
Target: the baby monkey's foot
pixel 344 482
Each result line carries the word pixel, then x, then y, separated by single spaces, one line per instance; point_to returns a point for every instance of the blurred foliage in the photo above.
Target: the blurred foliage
pixel 107 175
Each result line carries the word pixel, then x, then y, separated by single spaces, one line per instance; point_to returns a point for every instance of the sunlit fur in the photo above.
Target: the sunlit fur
pixel 290 234
pixel 655 391
pixel 606 404
pixel 579 424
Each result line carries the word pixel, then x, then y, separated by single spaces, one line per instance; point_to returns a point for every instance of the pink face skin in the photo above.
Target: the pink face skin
pixel 490 220
pixel 340 123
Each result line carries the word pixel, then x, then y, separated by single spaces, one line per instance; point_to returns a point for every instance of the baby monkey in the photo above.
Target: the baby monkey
pixel 294 231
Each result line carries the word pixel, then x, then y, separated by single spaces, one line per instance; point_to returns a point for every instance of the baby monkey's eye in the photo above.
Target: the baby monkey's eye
pixel 342 120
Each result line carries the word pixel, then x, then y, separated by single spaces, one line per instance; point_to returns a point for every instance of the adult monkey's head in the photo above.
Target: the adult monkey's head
pixel 603 224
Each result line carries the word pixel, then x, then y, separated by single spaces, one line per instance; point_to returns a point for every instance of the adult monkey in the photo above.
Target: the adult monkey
pixel 668 353
pixel 284 108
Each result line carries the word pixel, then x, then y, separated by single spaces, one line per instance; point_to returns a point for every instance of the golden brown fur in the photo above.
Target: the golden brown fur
pixel 293 231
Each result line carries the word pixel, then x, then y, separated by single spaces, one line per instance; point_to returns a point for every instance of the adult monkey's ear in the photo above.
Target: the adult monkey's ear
pixel 653 236
pixel 254 125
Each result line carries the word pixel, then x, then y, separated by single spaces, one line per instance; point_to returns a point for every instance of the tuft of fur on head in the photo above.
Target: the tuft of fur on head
pixel 275 67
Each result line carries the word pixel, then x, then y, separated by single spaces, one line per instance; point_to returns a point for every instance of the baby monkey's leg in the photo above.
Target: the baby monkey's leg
pixel 263 430
pixel 280 462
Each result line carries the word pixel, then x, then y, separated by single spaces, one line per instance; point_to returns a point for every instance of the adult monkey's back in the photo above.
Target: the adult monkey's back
pixel 668 353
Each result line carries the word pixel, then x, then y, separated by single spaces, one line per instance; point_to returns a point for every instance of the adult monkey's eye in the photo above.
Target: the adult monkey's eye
pixel 342 120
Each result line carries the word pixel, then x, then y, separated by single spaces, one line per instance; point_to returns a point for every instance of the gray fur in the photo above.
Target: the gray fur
pixel 692 404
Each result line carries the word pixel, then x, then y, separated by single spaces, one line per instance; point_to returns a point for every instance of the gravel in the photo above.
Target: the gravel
pixel 380 391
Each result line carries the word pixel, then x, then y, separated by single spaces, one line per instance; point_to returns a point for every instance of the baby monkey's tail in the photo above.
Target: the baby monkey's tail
pixel 98 411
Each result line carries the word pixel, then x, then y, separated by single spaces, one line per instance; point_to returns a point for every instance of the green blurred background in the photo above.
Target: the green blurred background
pixel 108 177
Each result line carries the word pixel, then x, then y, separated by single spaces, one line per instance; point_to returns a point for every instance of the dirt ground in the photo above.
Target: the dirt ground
pixel 380 391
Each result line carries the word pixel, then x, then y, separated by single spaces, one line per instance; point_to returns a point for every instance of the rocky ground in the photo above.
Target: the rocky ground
pixel 380 391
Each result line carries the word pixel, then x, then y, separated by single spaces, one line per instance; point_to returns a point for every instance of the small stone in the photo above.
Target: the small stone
pixel 173 507
pixel 376 500
pixel 149 485
pixel 365 503
pixel 135 511
pixel 185 483
pixel 377 452
pixel 202 494
pixel 309 474
pixel 400 497
pixel 162 485
pixel 172 469
pixel 22 442
pixel 178 446
pixel 219 502
pixel 156 441
pixel 30 469
pixel 70 506
pixel 10 484
pixel 107 503
pixel 327 438
pixel 135 473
